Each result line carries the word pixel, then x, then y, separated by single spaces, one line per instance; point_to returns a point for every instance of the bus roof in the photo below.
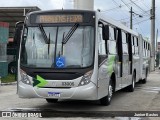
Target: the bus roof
pixel 59 10
pixel 115 23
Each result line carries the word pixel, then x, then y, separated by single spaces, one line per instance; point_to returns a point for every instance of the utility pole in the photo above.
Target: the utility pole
pixel 84 4
pixel 157 53
pixel 131 24
pixel 157 41
pixel 152 67
pixel 131 17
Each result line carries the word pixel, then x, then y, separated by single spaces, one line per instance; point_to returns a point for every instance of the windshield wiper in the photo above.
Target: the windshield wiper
pixel 46 39
pixel 70 33
pixel 43 34
pixel 62 43
pixel 68 36
pixel 49 40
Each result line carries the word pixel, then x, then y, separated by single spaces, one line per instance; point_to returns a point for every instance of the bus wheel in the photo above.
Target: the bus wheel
pixel 132 86
pixel 145 79
pixel 52 100
pixel 107 99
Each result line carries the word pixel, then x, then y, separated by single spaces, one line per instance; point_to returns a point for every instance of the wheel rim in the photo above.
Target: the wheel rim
pixel 133 82
pixel 110 92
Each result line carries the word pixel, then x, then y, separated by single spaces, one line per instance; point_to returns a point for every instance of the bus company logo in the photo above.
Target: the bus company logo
pixel 6 114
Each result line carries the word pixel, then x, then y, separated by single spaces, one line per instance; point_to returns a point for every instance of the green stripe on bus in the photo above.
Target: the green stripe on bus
pixel 39 82
pixel 111 60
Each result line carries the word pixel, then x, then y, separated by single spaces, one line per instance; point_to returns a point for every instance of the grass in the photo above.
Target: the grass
pixel 9 78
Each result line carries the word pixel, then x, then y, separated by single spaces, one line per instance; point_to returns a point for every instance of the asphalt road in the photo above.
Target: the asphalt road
pixel 146 97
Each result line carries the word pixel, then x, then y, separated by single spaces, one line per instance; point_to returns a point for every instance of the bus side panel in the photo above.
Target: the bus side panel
pixel 136 68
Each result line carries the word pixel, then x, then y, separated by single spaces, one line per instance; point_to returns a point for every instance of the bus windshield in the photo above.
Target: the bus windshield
pixel 51 51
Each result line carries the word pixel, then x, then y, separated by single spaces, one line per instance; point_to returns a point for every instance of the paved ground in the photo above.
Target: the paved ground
pixel 146 97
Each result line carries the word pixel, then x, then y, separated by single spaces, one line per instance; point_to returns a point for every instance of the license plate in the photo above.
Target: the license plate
pixel 54 94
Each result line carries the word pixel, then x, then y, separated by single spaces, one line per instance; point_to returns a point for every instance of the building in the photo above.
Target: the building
pixel 12 15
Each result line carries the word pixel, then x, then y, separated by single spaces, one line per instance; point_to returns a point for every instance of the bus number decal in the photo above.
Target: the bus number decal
pixel 67 84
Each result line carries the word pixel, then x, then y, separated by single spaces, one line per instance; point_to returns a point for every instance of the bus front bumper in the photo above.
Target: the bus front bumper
pixel 86 92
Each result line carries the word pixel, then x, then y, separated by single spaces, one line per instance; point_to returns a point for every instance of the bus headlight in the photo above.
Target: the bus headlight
pixel 86 79
pixel 25 78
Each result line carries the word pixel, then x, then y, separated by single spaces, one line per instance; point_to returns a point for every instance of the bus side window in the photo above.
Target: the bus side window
pixel 133 48
pixel 112 42
pixel 101 42
pixel 136 46
pixel 111 33
pixel 144 49
pixel 124 43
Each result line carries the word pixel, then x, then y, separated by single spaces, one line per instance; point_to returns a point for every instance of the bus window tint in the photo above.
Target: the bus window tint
pixel 111 33
pixel 112 47
pixel 81 43
pixel 136 46
pixel 37 53
pixel 101 42
pixel 111 41
pixel 124 42
pixel 133 48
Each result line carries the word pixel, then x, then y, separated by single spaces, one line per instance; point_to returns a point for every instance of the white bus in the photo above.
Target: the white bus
pixel 77 54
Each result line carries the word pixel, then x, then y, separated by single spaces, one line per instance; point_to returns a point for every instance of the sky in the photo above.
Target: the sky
pixel 115 9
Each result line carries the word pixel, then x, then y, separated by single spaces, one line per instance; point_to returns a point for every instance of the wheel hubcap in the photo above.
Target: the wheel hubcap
pixel 110 89
pixel 133 83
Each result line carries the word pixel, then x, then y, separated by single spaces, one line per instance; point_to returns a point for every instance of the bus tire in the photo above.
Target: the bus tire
pixel 52 100
pixel 132 86
pixel 145 79
pixel 107 99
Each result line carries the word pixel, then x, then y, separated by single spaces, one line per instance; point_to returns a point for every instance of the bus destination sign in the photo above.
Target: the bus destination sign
pixel 59 18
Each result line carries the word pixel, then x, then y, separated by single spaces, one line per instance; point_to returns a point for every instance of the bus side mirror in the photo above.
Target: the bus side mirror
pixel 18 32
pixel 105 32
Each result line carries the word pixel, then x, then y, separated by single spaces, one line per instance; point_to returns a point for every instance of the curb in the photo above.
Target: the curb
pixel 11 83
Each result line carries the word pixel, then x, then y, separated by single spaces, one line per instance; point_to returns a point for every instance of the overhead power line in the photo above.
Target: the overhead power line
pixel 119 6
pixel 145 5
pixel 110 9
pixel 138 6
pixel 142 21
pixel 115 2
pixel 126 4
